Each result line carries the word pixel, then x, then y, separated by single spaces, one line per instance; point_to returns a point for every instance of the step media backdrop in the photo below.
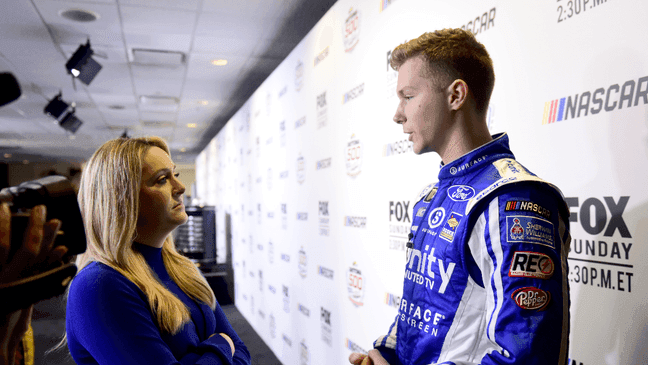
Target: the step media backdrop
pixel 319 183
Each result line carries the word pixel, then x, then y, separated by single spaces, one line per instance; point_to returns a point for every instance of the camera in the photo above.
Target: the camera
pixel 58 195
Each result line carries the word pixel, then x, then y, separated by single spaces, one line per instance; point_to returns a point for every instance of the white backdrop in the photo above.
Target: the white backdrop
pixel 320 183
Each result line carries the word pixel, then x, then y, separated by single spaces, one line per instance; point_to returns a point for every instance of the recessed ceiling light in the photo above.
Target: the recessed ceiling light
pixel 79 15
pixel 183 149
pixel 203 102
pixel 192 125
pixel 219 62
pixel 25 162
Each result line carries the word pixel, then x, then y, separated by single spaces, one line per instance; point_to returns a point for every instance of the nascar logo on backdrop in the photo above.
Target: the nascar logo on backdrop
pixel 355 285
pixel 353 156
pixel 351 30
pixel 608 100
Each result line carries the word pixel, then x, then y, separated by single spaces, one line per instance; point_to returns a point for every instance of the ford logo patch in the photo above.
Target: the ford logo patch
pixel 461 193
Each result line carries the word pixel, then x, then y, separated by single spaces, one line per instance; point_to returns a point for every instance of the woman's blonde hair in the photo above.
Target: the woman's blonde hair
pixel 109 202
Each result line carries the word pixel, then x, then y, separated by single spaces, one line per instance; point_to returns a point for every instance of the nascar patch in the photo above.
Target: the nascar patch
pixel 520 228
pixel 527 206
pixel 527 264
pixel 531 298
pixel 450 227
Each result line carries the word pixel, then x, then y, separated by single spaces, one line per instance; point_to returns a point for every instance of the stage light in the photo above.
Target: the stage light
pixel 63 113
pixel 82 66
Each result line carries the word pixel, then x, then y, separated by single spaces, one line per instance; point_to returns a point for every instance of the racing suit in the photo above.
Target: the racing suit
pixel 486 276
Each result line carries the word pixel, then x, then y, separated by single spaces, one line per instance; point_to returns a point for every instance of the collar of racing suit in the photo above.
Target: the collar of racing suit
pixel 494 150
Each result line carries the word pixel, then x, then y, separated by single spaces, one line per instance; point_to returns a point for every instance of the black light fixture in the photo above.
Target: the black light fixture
pixel 63 113
pixel 82 66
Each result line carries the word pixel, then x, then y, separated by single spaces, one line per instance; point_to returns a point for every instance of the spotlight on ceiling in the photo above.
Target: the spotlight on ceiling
pixel 63 113
pixel 82 66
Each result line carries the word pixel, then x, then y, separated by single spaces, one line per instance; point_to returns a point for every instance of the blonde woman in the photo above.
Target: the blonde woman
pixel 135 299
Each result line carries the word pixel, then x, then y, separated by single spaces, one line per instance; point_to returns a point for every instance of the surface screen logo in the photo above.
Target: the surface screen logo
pixel 601 99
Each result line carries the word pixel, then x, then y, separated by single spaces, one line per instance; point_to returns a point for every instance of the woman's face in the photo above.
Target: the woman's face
pixel 161 209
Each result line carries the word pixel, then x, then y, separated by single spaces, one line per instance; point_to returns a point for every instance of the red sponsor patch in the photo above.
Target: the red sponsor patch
pixel 527 264
pixel 531 298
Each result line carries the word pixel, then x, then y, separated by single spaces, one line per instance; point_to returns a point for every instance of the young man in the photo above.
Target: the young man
pixel 486 274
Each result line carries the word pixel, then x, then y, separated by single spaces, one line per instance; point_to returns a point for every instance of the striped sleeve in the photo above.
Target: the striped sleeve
pixel 520 244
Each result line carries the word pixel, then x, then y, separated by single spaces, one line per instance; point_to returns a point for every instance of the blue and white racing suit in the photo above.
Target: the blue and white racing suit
pixel 486 279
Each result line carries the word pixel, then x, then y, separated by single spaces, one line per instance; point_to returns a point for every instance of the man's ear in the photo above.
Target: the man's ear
pixel 457 94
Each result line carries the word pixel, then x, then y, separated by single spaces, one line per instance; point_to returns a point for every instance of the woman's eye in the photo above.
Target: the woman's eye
pixel 176 174
pixel 162 180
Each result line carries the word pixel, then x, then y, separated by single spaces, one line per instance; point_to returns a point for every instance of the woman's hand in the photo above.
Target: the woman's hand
pixel 229 340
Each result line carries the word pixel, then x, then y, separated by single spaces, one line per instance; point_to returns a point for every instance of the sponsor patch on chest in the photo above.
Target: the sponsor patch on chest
pixel 520 228
pixel 527 264
pixel 461 193
pixel 450 227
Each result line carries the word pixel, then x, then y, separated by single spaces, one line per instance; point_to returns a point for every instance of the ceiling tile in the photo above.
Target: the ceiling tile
pixel 153 20
pixel 252 8
pixel 213 44
pixel 241 25
pixel 200 67
pixel 167 4
pixel 106 30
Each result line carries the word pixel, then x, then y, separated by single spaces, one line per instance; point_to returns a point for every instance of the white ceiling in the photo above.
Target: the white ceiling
pixel 254 36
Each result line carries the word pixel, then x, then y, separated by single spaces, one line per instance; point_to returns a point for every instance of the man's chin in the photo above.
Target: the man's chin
pixel 422 150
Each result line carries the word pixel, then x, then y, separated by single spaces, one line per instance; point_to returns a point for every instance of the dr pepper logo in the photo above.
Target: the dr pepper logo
pixel 531 298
